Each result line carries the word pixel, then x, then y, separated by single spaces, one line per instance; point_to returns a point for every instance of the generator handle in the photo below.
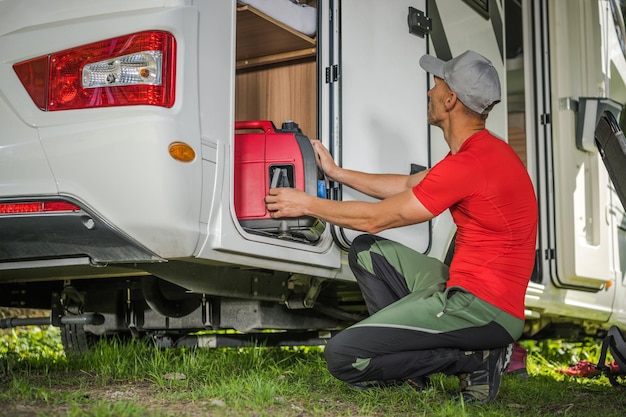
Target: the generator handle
pixel 266 125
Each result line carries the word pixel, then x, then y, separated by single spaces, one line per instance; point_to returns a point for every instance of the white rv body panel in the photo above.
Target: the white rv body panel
pixel 107 158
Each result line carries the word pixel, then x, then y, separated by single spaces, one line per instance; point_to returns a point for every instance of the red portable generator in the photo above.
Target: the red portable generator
pixel 266 157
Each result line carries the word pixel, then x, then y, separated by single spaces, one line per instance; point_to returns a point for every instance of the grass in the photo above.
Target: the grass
pixel 139 379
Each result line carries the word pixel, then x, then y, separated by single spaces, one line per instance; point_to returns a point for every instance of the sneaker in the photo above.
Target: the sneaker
pixel 482 385
pixel 581 369
pixel 518 362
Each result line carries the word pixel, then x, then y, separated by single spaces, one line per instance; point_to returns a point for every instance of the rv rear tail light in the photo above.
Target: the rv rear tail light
pixel 182 152
pixel 135 69
pixel 33 207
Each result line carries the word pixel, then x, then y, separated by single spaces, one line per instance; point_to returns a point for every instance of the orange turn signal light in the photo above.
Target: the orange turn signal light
pixel 182 152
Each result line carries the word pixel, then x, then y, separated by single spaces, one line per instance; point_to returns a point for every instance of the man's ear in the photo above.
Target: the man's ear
pixel 451 100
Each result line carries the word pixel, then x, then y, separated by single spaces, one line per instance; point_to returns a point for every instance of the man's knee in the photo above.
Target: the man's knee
pixel 360 244
pixel 340 360
pixel 335 360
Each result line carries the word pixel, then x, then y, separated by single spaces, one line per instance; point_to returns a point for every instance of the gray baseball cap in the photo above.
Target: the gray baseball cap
pixel 470 75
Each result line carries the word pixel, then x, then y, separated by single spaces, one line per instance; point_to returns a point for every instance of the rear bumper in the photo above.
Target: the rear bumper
pixel 79 237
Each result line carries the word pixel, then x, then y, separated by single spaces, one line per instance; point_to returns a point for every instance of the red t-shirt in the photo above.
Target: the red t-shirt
pixel 492 201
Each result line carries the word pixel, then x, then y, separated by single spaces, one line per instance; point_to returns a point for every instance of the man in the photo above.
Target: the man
pixel 426 318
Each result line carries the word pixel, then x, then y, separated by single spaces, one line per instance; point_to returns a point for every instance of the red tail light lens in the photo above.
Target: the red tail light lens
pixel 34 75
pixel 136 69
pixel 30 207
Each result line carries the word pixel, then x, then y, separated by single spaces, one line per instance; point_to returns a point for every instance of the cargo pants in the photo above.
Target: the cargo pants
pixel 416 326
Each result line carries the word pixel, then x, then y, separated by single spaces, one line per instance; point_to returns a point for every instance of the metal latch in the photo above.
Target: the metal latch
pixel 419 23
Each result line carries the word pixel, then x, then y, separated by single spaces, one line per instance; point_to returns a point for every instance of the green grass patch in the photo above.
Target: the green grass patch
pixel 139 379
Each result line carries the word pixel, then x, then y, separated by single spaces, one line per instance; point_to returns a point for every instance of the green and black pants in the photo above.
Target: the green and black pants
pixel 416 326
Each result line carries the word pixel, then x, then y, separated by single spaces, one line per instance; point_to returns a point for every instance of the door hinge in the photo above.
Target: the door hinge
pixel 549 254
pixel 546 118
pixel 332 74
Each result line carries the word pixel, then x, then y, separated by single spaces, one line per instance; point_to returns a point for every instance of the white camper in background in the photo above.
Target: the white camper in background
pixel 138 136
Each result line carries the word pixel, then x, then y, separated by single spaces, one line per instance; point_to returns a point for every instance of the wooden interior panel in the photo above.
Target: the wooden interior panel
pixel 279 93
pixel 262 39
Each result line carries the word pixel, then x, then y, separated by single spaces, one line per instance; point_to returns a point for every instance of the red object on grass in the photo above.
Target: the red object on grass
pixel 587 369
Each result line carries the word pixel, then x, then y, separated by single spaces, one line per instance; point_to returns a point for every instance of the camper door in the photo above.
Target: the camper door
pixel 383 126
pixel 584 205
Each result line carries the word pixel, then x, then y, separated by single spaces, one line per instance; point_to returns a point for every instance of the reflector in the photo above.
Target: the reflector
pixel 182 152
pixel 26 207
pixel 34 76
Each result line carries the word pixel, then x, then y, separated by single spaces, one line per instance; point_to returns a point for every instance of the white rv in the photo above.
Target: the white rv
pixel 138 138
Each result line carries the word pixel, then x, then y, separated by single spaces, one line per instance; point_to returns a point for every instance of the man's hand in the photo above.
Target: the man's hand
pixel 324 159
pixel 286 202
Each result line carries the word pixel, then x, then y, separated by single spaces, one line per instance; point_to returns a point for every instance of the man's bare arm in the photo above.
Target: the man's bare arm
pixel 372 217
pixel 379 186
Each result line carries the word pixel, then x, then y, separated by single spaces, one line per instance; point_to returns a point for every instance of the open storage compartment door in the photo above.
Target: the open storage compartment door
pixel 383 99
pixel 273 80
